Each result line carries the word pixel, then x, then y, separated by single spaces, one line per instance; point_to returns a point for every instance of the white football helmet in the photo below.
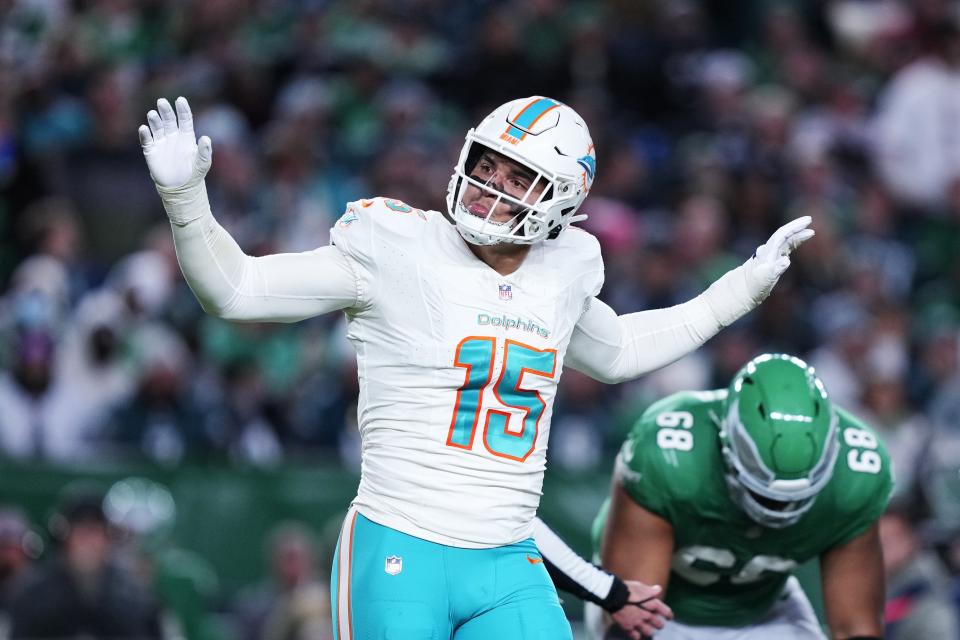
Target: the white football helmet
pixel 545 136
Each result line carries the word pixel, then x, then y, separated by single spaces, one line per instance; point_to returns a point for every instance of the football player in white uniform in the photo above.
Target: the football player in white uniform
pixel 462 324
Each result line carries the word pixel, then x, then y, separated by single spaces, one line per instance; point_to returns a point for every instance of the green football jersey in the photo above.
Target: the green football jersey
pixel 726 569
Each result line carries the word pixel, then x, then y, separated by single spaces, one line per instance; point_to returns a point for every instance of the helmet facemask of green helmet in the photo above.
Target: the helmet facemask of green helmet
pixel 779 439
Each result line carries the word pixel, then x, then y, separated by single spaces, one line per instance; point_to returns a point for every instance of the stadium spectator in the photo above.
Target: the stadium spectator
pixel 918 154
pixel 758 119
pixel 81 591
pixel 36 420
pixel 142 513
pixel 918 593
pixel 293 604
pixel 763 111
pixel 908 435
pixel 19 546
pixel 163 419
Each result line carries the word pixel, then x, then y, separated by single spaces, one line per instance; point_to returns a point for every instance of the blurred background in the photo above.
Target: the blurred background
pixel 204 467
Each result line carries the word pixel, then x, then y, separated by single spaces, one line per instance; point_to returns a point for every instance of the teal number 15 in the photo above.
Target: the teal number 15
pixel 476 355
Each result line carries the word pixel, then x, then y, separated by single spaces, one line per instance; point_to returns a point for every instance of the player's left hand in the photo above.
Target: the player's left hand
pixel 773 257
pixel 174 157
pixel 644 612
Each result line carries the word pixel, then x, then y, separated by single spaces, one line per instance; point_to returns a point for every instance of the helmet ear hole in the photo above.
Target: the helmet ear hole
pixel 763 412
pixel 555 232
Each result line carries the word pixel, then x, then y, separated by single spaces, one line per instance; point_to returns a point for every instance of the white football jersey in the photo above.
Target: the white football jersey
pixel 458 369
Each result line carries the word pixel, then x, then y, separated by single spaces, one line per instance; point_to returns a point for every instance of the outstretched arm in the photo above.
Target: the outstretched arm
pixel 613 348
pixel 227 282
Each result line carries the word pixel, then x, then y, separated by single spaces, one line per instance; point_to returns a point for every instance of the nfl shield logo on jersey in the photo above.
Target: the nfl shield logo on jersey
pixel 393 565
pixel 506 292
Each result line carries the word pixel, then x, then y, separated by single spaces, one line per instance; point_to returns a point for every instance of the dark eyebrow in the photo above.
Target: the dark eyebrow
pixel 490 157
pixel 522 172
pixel 516 169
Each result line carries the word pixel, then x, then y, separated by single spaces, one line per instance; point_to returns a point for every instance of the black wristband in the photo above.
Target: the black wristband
pixel 618 597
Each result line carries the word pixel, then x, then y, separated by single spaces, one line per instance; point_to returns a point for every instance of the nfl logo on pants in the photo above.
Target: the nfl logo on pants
pixel 393 565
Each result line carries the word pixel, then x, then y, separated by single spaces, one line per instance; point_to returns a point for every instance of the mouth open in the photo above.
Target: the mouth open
pixel 482 208
pixel 478 210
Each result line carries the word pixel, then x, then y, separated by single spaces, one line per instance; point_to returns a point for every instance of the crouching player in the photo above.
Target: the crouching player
pixel 718 496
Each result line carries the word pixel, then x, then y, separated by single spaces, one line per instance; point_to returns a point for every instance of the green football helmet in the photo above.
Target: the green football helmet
pixel 779 439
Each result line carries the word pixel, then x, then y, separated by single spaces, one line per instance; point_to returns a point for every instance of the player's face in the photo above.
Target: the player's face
pixel 506 176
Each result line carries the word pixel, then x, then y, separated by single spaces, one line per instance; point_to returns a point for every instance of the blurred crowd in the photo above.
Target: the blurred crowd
pixel 111 571
pixel 714 122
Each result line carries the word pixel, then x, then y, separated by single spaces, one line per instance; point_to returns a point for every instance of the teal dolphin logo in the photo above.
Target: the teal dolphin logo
pixel 589 165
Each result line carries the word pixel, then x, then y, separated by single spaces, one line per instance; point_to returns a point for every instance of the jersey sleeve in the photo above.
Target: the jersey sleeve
pixel 670 460
pixel 638 469
pixel 615 348
pixel 284 287
pixel 863 478
pixel 371 233
pixel 573 574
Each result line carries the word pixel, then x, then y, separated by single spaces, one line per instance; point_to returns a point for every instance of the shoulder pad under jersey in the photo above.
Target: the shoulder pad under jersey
pixel 371 221
pixel 577 253
pixel 672 451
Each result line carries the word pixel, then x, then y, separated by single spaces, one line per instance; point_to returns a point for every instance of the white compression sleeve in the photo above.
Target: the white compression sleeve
pixel 232 285
pixel 585 575
pixel 612 348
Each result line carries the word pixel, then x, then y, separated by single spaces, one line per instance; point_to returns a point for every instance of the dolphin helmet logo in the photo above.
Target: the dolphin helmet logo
pixel 589 164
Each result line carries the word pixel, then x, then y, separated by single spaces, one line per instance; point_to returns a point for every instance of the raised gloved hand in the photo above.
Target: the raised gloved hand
pixel 772 258
pixel 743 288
pixel 176 161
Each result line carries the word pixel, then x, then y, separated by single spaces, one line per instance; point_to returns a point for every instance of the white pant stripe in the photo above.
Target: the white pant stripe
pixel 344 562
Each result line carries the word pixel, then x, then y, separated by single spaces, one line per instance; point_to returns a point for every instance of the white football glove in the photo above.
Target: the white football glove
pixel 177 163
pixel 772 258
pixel 743 288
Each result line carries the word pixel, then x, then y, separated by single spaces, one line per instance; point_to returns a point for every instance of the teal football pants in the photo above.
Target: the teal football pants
pixel 387 585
